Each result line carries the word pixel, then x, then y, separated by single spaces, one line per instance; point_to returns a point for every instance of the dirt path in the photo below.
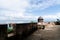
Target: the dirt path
pixel 53 33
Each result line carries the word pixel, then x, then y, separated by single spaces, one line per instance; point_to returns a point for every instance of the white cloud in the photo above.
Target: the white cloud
pixel 57 1
pixel 51 17
pixel 42 4
pixel 17 5
pixel 15 9
pixel 12 9
pixel 3 18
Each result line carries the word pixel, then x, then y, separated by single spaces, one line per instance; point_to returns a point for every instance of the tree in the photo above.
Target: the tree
pixel 57 22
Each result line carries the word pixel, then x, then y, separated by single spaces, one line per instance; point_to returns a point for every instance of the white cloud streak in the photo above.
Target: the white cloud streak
pixel 42 4
pixel 51 17
pixel 15 9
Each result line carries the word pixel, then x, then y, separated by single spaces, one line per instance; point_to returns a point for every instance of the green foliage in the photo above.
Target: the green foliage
pixel 9 29
pixel 31 22
pixel 58 20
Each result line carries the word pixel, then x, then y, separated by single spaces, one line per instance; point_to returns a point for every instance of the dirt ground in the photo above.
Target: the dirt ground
pixel 51 32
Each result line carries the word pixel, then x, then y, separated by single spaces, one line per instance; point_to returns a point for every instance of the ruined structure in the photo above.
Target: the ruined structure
pixel 40 19
pixel 41 24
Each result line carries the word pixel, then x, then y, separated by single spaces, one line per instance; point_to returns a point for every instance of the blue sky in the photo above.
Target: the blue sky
pixel 19 11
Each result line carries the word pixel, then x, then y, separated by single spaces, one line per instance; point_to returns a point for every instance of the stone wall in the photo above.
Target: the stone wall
pixel 3 31
pixel 22 30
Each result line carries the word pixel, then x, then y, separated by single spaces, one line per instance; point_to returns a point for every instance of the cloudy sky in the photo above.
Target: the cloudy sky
pixel 28 10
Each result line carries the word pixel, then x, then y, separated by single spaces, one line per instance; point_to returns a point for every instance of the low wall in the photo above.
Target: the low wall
pixel 24 29
pixel 3 31
pixel 21 30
